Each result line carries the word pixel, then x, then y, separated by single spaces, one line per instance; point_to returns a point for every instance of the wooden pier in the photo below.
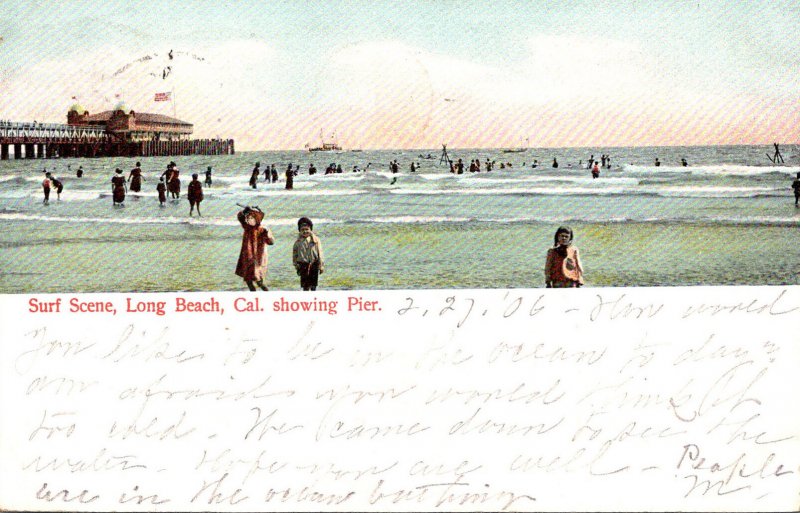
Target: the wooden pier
pixel 25 140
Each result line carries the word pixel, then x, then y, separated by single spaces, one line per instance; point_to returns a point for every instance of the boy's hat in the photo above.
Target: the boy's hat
pixel 304 221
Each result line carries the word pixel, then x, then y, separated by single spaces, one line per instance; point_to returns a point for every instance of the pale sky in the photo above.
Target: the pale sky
pixel 272 75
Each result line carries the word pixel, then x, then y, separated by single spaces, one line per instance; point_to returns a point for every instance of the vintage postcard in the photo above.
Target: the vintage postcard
pixel 298 256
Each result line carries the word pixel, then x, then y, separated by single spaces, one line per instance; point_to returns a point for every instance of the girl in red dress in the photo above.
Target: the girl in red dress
pixel 252 264
pixel 563 266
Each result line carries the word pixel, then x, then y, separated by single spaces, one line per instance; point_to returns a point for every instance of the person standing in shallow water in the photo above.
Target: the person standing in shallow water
pixel 118 188
pixel 208 177
pixel 253 257
pixel 562 268
pixel 135 178
pixel 57 185
pixel 46 188
pixel 174 181
pixel 307 255
pixel 289 178
pixel 255 174
pixel 161 188
pixel 195 195
pixel 796 187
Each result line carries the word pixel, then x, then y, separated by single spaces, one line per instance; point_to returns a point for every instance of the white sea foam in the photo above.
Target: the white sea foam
pixel 433 176
pixel 93 194
pixel 243 185
pixel 200 221
pixel 786 220
pixel 310 192
pixel 715 192
pixel 717 169
pixel 584 179
pixel 19 194
pixel 347 176
pixel 540 191
pixel 384 174
pixel 66 194
pixel 412 219
pixel 118 220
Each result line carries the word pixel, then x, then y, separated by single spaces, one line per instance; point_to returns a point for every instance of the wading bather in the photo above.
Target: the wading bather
pixel 118 188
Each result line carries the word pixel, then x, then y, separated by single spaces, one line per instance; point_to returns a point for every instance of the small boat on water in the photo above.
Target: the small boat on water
pixel 517 150
pixel 325 146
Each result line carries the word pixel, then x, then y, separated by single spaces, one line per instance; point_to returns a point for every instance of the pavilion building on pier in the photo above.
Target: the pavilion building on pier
pixel 124 124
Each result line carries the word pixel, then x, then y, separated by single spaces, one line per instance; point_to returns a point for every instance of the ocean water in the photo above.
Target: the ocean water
pixel 726 219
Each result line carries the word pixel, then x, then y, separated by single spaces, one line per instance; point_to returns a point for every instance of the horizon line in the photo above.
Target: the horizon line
pixel 502 148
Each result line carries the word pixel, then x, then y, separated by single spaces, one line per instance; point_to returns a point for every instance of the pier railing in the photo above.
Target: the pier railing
pixel 12 132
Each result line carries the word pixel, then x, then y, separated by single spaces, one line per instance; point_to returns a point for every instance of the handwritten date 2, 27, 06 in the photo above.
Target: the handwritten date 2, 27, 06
pixel 463 308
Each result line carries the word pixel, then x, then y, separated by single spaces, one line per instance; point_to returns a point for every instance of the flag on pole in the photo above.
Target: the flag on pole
pixel 163 97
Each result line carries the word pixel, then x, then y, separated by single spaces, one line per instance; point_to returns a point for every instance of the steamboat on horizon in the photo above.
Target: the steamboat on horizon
pixel 325 146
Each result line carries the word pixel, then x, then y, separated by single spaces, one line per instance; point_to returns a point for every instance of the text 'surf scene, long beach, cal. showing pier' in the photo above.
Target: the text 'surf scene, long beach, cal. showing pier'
pixel 431 145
